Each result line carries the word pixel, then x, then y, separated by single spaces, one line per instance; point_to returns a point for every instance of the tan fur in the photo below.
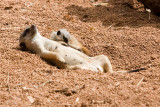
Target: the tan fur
pixel 85 50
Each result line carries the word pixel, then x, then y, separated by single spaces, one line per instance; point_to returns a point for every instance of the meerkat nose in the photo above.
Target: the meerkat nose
pixel 22 44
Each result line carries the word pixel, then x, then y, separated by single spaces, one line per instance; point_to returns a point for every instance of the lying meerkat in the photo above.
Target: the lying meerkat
pixel 65 38
pixel 62 56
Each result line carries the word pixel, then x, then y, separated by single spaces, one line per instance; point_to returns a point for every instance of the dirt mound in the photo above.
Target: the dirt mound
pixel 127 36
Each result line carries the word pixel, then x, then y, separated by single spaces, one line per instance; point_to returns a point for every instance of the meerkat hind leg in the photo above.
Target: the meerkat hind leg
pixel 105 63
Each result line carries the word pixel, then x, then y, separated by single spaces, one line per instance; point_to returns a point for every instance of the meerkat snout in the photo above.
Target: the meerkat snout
pixel 22 44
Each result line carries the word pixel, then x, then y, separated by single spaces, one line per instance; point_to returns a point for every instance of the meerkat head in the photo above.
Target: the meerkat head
pixel 61 35
pixel 27 35
pixel 64 34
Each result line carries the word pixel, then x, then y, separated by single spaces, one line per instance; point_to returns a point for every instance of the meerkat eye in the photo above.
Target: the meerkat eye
pixel 59 32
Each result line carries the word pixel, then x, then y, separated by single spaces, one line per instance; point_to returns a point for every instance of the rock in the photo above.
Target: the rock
pixel 8 8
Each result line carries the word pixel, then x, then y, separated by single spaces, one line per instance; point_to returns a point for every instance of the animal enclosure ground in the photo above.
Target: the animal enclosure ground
pixel 124 34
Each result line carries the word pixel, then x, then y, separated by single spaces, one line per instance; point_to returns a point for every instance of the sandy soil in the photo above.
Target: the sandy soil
pixel 127 36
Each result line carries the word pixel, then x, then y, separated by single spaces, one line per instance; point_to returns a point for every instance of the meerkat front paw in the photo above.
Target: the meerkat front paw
pixel 79 50
pixel 61 59
pixel 64 44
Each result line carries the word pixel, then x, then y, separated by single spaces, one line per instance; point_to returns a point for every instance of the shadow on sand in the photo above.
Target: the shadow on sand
pixel 119 15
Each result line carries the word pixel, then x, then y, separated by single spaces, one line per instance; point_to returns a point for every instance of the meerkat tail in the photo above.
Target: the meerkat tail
pixel 85 50
pixel 136 70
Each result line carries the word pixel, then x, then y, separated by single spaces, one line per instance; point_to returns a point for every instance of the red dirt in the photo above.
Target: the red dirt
pixel 124 34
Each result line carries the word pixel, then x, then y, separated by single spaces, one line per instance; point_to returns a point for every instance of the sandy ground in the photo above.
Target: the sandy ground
pixel 127 36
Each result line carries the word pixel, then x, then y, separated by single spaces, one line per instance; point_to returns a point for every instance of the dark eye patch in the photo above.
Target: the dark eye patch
pixel 58 33
pixel 65 39
pixel 25 32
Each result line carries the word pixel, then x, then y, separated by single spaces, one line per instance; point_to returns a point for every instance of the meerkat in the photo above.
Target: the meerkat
pixel 62 56
pixel 65 38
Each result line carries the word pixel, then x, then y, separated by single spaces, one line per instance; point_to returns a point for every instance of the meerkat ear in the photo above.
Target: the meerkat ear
pixel 26 31
pixel 33 29
pixel 59 32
